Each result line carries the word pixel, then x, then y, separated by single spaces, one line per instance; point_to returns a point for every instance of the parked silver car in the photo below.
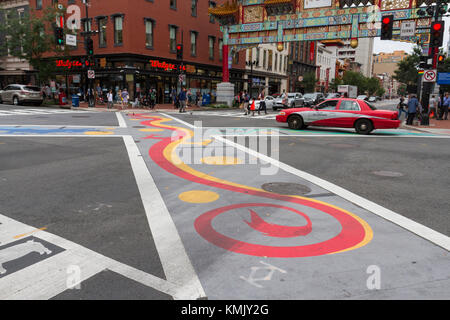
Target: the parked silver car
pixel 17 94
pixel 294 100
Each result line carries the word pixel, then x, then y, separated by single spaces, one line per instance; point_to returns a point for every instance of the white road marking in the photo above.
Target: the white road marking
pixel 122 123
pixel 174 259
pixel 12 112
pixel 48 278
pixel 179 120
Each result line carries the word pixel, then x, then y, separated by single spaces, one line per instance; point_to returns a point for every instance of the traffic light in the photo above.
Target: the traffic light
pixel 90 47
pixel 59 36
pixel 441 58
pixel 179 52
pixel 387 22
pixel 437 33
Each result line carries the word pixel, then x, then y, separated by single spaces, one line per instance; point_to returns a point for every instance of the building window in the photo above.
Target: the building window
pixel 149 33
pixel 38 4
pixel 173 38
pixel 212 4
pixel 193 43
pixel 220 49
pixel 118 30
pixel 281 63
pixel 276 62
pixel 87 24
pixel 194 8
pixel 102 32
pixel 264 59
pixel 173 4
pixel 211 41
pixel 257 56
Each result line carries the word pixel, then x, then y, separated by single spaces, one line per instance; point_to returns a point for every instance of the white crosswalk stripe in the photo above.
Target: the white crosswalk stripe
pixel 15 112
pixel 232 114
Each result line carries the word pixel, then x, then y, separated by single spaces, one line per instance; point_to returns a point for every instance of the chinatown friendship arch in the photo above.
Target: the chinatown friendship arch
pixel 247 23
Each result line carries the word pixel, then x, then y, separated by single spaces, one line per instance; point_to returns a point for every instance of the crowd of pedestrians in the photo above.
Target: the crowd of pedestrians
pixel 438 107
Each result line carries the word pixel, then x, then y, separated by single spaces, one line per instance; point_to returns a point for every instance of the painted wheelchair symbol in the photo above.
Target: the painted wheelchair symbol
pixel 19 251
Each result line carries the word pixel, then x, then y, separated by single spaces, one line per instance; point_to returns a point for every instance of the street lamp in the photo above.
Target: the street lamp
pixel 250 82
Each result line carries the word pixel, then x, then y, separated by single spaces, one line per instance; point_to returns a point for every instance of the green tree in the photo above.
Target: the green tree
pixel 30 38
pixel 355 79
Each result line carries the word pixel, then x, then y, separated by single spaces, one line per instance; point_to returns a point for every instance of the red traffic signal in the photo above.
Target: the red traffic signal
pixel 441 58
pixel 179 51
pixel 437 33
pixel 387 23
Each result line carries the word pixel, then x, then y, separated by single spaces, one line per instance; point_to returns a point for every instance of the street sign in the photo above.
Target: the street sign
pixel 71 40
pixel 430 76
pixel 443 78
pixel 181 78
pixel 91 74
pixel 408 29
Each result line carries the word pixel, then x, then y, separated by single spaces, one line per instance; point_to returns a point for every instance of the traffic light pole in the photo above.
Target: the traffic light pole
pixel 91 96
pixel 427 87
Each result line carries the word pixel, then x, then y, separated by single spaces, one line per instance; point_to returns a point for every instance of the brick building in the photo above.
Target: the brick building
pixel 135 46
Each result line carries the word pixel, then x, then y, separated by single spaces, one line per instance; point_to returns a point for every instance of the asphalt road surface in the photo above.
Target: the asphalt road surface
pixel 105 205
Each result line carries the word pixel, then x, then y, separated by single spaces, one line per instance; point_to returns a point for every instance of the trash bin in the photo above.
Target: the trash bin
pixel 75 101
pixel 206 99
pixel 62 98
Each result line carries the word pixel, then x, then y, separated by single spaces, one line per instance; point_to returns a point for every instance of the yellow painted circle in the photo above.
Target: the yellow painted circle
pixel 198 196
pixel 98 132
pixel 151 130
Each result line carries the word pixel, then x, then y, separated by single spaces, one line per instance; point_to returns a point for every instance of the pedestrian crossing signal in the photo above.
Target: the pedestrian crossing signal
pixel 387 23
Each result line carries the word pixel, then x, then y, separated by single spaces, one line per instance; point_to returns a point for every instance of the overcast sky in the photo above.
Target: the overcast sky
pixel 390 46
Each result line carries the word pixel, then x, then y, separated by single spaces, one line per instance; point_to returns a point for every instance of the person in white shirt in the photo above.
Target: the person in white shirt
pixel 110 99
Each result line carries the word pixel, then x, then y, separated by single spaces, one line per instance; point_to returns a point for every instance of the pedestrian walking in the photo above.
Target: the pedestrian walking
pixel 401 108
pixel 110 97
pixel 125 97
pixel 246 99
pixel 413 105
pixel 445 105
pixel 152 99
pixel 434 102
pixel 182 98
pixel 262 103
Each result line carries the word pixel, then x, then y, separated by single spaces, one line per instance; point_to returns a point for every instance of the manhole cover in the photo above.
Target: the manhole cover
pixel 342 145
pixel 388 173
pixel 286 188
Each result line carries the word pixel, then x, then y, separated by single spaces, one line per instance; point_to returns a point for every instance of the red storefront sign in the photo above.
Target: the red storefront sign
pixel 72 63
pixel 166 66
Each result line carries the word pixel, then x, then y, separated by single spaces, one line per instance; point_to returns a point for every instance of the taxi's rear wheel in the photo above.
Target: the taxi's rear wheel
pixel 295 122
pixel 363 126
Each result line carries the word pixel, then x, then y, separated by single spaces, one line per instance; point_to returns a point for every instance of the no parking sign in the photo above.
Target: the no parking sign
pixel 430 76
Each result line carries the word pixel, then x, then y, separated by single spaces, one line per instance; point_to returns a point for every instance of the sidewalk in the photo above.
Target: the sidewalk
pixel 436 126
pixel 118 107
